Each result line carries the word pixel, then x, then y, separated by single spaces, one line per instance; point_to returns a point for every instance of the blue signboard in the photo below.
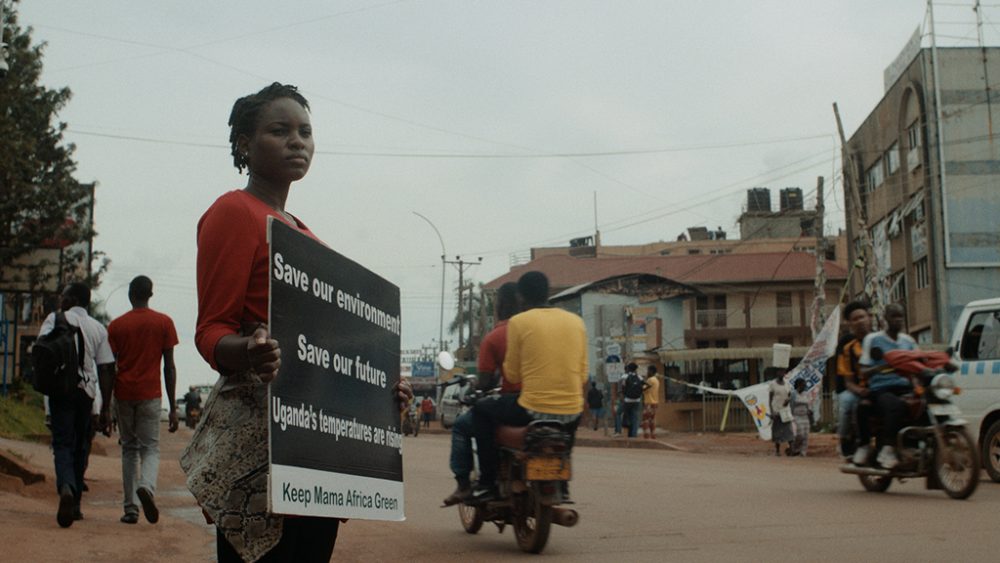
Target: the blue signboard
pixel 423 369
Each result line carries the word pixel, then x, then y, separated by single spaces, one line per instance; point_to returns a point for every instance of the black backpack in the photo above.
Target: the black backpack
pixel 57 358
pixel 633 386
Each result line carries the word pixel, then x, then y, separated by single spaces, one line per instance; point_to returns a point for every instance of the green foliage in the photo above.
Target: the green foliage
pixel 22 417
pixel 41 205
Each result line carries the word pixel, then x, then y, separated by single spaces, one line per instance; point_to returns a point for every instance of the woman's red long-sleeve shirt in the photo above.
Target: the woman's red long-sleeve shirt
pixel 233 267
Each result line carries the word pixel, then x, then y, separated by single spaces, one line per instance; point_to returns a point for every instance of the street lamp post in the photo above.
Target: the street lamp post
pixel 443 254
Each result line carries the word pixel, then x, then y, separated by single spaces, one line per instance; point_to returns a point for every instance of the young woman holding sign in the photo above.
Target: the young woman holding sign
pixel 226 462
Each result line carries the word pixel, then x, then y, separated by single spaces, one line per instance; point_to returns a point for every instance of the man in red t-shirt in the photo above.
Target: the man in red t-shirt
pixel 490 366
pixel 139 338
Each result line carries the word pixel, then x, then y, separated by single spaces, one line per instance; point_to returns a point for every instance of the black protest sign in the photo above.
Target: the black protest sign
pixel 335 445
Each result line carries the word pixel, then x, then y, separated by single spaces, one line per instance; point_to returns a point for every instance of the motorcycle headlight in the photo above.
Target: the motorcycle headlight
pixel 943 386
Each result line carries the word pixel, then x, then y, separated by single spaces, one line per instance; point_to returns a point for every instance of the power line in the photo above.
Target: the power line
pixel 665 211
pixel 457 155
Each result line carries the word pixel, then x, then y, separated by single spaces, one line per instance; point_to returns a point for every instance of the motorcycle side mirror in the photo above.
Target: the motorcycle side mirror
pixel 446 360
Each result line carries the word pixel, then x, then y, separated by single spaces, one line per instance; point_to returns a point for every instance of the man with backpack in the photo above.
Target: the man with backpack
pixel 632 388
pixel 595 402
pixel 73 338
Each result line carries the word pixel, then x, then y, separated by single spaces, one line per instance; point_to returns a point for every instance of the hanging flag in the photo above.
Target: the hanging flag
pixel 755 398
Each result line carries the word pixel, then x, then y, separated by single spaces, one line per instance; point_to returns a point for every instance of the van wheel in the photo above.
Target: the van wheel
pixel 991 451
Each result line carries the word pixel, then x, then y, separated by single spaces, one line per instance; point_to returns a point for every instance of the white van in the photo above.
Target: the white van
pixel 976 344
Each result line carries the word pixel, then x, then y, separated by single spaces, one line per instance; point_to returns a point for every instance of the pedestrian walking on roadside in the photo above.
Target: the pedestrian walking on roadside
pixel 427 411
pixel 632 388
pixel 617 408
pixel 650 402
pixel 802 418
pixel 72 414
pixel 595 402
pixel 779 399
pixel 140 339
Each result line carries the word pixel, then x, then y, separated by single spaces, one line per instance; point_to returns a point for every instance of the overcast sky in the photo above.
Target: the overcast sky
pixel 482 116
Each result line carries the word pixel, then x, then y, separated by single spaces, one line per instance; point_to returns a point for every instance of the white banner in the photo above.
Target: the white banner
pixel 813 365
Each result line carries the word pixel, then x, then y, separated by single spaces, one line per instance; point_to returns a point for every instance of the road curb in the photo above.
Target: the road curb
pixel 10 465
pixel 637 443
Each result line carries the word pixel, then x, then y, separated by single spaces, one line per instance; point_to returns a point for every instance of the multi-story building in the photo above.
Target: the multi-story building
pixel 724 308
pixel 923 178
pixel 791 228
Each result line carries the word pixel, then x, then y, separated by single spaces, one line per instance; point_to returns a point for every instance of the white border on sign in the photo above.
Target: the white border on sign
pixel 294 490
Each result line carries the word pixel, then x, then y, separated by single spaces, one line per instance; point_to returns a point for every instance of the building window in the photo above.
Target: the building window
pixel 897 288
pixel 783 308
pixel 892 159
pixel 874 177
pixel 913 140
pixel 923 337
pixel 710 315
pixel 694 251
pixel 913 135
pixel 921 273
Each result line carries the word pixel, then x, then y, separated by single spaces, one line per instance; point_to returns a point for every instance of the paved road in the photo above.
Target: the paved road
pixel 635 505
pixel 641 505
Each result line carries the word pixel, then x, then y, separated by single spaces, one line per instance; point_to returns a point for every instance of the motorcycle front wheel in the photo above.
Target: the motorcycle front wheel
pixel 875 484
pixel 957 464
pixel 532 522
pixel 471 517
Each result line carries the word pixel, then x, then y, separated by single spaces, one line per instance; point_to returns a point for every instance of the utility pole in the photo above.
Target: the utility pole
pixel 820 298
pixel 860 213
pixel 462 265
pixel 443 252
pixel 986 73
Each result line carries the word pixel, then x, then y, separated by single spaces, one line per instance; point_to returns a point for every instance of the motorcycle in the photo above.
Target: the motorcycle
pixel 935 444
pixel 534 470
pixel 192 416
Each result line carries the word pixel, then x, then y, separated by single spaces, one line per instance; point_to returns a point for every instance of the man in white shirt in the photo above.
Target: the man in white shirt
pixel 71 414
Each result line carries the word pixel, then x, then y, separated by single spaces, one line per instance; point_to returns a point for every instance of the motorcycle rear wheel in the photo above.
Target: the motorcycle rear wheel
pixel 957 464
pixel 532 522
pixel 875 484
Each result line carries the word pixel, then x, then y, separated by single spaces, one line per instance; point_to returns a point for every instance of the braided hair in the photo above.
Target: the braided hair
pixel 246 111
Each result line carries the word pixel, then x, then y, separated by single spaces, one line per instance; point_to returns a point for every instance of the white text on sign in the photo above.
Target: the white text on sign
pixel 319 356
